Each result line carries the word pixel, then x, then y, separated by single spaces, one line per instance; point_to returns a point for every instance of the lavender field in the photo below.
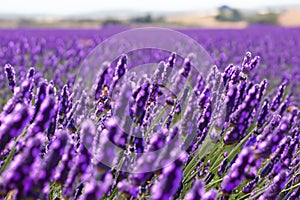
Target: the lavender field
pixel 57 131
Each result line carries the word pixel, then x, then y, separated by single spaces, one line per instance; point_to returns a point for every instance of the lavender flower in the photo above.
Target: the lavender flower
pixel 278 98
pixel 64 104
pixel 198 192
pixel 40 97
pixel 265 148
pixel 17 174
pixel 96 189
pixel 263 115
pixel 83 158
pixel 169 181
pixel 14 124
pixel 47 168
pixel 273 190
pixel 62 171
pixel 44 116
pixel 10 74
pixel 128 189
pixel 237 172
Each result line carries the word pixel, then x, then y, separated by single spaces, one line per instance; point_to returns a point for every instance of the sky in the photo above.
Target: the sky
pixel 66 7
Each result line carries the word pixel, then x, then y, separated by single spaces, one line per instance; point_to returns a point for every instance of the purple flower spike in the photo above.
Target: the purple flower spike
pixel 18 97
pixel 168 68
pixel 128 189
pixel 44 116
pixel 181 79
pixel 61 174
pixel 96 189
pixel 198 192
pixel 120 70
pixel 250 186
pixel 40 97
pixel 268 146
pixel 14 124
pixel 248 63
pixel 47 168
pixel 16 175
pixel 286 157
pixel 64 104
pixel 231 101
pixel 139 108
pixel 83 158
pixel 278 98
pixel 242 117
pixel 104 79
pixel 10 74
pixel 30 73
pixel 204 98
pixel 273 190
pixel 237 171
pixel 263 115
pixel 223 166
pixel 169 181
pixel 295 194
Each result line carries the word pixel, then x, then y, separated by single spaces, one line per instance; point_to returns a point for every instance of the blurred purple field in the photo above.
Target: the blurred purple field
pixel 46 122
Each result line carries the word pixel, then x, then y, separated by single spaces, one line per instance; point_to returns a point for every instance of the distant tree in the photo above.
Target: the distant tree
pixel 226 13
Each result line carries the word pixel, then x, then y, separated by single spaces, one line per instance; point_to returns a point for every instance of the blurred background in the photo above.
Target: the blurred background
pixel 167 13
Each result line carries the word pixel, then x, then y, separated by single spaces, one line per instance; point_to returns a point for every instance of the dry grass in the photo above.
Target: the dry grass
pixel 290 17
pixel 203 21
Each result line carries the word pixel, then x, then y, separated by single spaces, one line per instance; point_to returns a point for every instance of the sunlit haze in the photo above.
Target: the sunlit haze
pixel 66 7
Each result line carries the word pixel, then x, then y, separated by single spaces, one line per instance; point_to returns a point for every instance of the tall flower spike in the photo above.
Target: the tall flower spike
pixel 182 77
pixel 230 101
pixel 104 79
pixel 83 158
pixel 30 73
pixel 237 171
pixel 18 97
pixel 16 175
pixel 227 73
pixel 144 164
pixel 273 191
pixel 95 189
pixel 120 70
pixel 286 157
pixel 200 85
pixel 241 118
pixel 278 98
pixel 197 191
pixel 222 167
pixel 204 98
pixel 29 76
pixel 168 68
pixel 62 171
pixel 64 104
pixel 268 146
pixel 247 59
pixel 14 124
pixel 10 74
pixel 264 114
pixel 139 107
pixel 44 174
pixel 263 86
pixel 40 97
pixel 128 189
pixel 250 186
pixel 44 116
pixel 169 181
